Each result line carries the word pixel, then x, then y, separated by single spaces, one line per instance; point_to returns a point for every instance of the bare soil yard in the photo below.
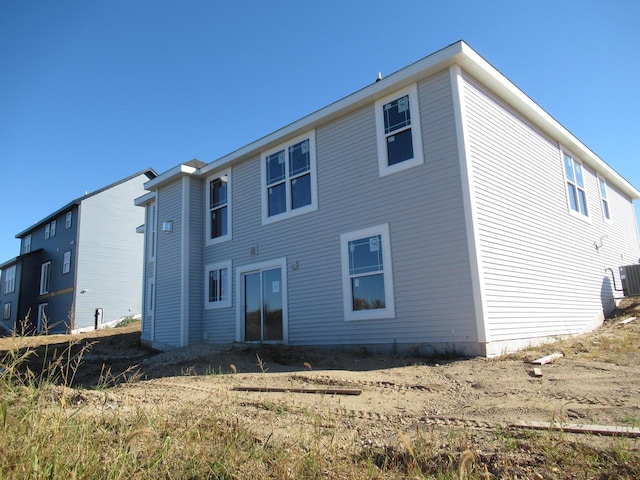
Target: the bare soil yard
pixel 597 381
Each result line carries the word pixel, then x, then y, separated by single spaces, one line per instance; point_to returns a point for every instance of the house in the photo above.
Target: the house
pixel 81 266
pixel 437 209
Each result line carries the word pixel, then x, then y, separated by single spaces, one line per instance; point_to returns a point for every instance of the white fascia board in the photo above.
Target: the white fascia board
pixel 458 53
pixel 495 81
pixel 169 176
pixel 420 69
pixel 145 199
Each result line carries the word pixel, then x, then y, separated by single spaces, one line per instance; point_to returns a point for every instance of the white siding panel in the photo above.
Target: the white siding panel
pixel 542 273
pixel 167 308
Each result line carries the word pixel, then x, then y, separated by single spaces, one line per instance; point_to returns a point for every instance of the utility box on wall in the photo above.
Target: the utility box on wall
pixel 630 276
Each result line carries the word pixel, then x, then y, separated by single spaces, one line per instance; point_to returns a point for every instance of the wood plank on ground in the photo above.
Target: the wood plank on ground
pixel 627 320
pixel 327 391
pixel 547 359
pixel 608 430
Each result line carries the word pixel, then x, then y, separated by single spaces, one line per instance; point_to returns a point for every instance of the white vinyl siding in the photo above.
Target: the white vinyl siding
pixel 542 274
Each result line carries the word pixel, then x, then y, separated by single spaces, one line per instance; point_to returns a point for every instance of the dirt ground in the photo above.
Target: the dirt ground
pixel 597 381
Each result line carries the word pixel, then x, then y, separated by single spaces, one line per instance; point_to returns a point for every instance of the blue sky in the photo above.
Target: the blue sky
pixel 91 92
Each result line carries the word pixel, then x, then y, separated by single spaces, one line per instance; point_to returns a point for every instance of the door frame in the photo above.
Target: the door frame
pixel 241 271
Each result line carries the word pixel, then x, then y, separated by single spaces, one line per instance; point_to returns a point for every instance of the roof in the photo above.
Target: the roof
pixel 149 172
pixel 458 53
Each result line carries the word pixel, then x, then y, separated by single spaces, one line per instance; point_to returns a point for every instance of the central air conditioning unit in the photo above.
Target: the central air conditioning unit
pixel 630 276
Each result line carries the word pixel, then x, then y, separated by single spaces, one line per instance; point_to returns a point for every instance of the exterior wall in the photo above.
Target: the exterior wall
pixel 195 290
pixel 422 206
pixel 148 284
pixel 11 298
pixel 541 272
pixel 109 259
pixel 167 313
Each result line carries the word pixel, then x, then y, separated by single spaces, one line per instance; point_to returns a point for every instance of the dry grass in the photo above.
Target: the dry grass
pixel 46 431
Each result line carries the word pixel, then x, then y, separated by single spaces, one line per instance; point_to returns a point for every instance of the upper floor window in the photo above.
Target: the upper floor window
pixel 9 279
pixel 398 131
pixel 68 219
pixel 218 285
pixel 289 184
pixel 26 244
pixel 66 262
pixel 575 185
pixel 53 228
pixel 219 208
pixel 45 278
pixel 604 199
pixel 7 311
pixel 367 280
pixel 47 229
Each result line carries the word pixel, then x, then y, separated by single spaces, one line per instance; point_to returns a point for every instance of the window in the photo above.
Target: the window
pixel 218 285
pixel 398 131
pixel 153 228
pixel 67 221
pixel 47 228
pixel 66 262
pixel 53 228
pixel 43 318
pixel 604 199
pixel 575 186
pixel 367 280
pixel 289 179
pixel 26 244
pixel 218 208
pixel 10 279
pixel 45 278
pixel 7 311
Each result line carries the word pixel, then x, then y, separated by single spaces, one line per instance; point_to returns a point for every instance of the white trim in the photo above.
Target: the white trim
pixel 184 263
pixel 6 314
pixel 416 132
pixel 207 208
pixel 9 280
pixel 47 229
pixel 599 179
pixel 584 216
pixel 225 303
pixel 145 199
pixel 41 313
pixel 68 220
pixel 66 262
pixel 468 199
pixel 54 224
pixel 387 271
pixel 288 213
pixel 26 244
pixel 45 277
pixel 254 267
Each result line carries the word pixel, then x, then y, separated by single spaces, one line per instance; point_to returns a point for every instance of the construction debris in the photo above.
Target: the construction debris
pixel 608 430
pixel 627 320
pixel 537 372
pixel 547 359
pixel 326 391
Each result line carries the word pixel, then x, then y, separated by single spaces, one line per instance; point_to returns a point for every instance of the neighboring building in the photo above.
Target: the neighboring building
pixel 439 209
pixel 81 266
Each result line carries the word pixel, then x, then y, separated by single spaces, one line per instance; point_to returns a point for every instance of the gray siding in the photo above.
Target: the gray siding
pixel 541 271
pixel 149 275
pixel 109 257
pixel 195 291
pixel 422 205
pixel 168 274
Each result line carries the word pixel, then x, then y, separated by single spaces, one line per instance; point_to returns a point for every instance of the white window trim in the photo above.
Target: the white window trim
pixel 68 219
pixel 416 132
pixel 577 214
pixel 7 311
pixel 42 307
pixel 604 199
pixel 226 303
pixel 153 229
pixel 45 278
pixel 26 244
pixel 313 206
pixel 9 279
pixel 389 310
pixel 47 230
pixel 266 265
pixel 224 238
pixel 54 224
pixel 66 262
